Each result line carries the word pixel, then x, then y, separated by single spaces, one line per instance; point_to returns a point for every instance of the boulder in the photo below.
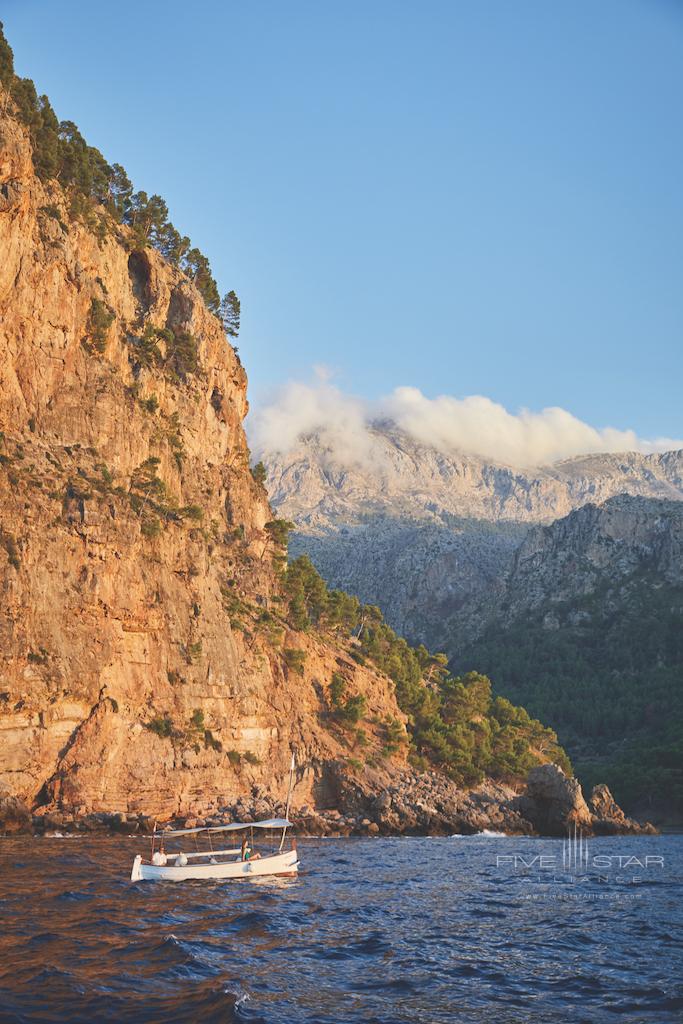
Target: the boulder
pixel 603 804
pixel 383 801
pixel 14 814
pixel 552 802
pixel 608 817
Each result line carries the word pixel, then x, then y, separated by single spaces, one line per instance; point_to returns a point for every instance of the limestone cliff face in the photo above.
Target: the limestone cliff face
pixel 399 476
pixel 428 535
pixel 626 537
pixel 119 575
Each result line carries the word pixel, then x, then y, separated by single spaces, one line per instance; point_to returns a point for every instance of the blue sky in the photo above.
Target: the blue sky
pixel 466 198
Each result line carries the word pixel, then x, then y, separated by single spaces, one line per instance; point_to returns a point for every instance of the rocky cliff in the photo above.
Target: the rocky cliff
pixel 610 543
pixel 425 534
pixel 140 668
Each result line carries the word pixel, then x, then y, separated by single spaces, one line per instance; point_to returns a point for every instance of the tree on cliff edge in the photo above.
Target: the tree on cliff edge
pixel 230 314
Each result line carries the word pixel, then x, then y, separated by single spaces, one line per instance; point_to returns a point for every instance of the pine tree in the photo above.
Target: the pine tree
pixel 120 192
pixel 6 60
pixel 230 314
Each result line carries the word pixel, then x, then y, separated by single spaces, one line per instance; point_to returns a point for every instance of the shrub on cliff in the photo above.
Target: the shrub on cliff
pixel 161 725
pixel 182 353
pixel 295 659
pixel 100 319
pixel 353 709
pixel 304 587
pixel 347 710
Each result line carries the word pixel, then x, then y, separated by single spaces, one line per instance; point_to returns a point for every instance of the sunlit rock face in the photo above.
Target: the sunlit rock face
pixel 126 682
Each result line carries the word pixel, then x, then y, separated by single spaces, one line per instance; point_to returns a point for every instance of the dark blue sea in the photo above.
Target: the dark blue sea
pixel 373 930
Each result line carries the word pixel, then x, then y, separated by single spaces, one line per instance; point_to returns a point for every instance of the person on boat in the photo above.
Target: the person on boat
pixel 159 858
pixel 247 852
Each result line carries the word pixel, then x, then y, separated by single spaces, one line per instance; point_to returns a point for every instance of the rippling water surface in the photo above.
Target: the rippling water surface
pixel 383 930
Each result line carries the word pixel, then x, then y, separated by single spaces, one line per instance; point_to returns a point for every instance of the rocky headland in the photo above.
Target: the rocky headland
pixel 151 664
pixel 396 802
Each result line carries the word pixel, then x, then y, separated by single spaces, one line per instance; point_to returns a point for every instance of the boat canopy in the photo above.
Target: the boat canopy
pixel 274 823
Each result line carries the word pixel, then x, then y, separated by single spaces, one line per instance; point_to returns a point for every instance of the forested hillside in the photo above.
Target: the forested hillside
pixel 589 636
pixel 453 722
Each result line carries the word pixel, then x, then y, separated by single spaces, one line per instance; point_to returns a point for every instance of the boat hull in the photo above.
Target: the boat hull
pixel 286 863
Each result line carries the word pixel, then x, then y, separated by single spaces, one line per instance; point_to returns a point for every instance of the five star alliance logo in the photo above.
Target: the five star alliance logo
pixel 575 855
pixel 581 864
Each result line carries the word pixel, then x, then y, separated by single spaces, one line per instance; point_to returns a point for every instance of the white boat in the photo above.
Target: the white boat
pixel 236 862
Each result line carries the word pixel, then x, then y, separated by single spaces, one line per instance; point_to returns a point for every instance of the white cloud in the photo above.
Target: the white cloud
pixel 474 425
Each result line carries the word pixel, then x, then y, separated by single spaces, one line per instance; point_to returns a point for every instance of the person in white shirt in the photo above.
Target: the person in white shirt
pixel 159 858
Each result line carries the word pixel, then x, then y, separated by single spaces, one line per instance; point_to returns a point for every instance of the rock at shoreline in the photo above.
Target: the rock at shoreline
pixel 553 802
pixel 608 817
pixel 14 814
pixel 381 801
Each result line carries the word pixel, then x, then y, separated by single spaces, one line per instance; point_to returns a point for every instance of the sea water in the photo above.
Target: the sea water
pixel 483 928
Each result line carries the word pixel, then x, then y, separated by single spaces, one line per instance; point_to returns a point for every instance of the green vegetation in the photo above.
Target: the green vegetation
pixel 278 531
pixel 182 353
pixel 609 679
pixel 269 627
pixel 347 710
pixel 107 476
pixel 237 609
pixel 211 743
pixel 197 720
pixel 453 722
pixel 395 734
pixel 161 725
pixel 102 195
pixel 175 439
pixel 53 211
pixel 151 527
pixel 193 652
pixel 145 349
pixel 337 689
pixel 295 659
pixel 353 709
pixel 148 495
pixel 175 352
pixel 9 543
pixel 150 404
pixel 230 314
pixel 310 602
pixel 193 512
pixel 259 473
pixel 100 319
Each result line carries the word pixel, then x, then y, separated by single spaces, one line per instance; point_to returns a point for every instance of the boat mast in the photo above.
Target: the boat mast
pixel 289 797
